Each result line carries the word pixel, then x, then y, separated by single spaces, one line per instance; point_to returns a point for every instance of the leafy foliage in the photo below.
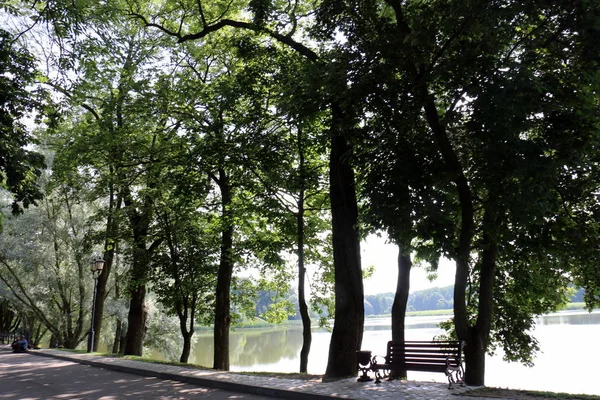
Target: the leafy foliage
pixel 19 166
pixel 472 127
pixel 48 272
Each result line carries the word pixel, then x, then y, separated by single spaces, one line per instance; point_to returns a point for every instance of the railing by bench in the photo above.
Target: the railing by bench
pixel 434 356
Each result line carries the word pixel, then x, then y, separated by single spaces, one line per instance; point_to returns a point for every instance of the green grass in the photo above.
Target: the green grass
pixel 77 351
pixel 152 361
pixel 575 306
pixel 283 375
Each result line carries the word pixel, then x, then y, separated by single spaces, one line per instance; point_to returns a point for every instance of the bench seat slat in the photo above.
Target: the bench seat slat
pixel 438 360
pixel 427 344
pixel 412 367
pixel 441 357
pixel 423 348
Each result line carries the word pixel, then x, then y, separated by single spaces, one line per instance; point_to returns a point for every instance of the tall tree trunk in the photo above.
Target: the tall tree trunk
pixel 140 221
pixel 136 322
pixel 224 275
pixel 122 342
pixel 136 319
pixel 187 346
pixel 117 340
pixel 479 334
pixel 474 352
pixel 118 343
pixel 185 312
pixel 306 324
pixel 304 314
pixel 348 326
pixel 400 303
pixel 109 253
pixel 101 284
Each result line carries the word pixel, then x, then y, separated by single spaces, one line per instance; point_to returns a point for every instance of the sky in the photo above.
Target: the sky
pixel 383 256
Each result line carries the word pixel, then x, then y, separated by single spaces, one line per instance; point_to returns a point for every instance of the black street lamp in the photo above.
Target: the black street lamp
pixel 96 268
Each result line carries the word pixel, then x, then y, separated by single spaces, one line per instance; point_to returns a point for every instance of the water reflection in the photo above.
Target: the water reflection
pixel 251 347
pixel 570 318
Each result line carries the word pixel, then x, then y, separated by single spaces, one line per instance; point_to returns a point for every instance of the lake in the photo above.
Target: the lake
pixel 566 362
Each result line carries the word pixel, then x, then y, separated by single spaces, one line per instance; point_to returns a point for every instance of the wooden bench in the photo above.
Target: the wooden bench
pixel 435 356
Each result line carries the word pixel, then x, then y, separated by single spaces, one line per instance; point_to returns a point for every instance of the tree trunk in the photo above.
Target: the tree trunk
pixel 474 353
pixel 109 254
pixel 224 275
pixel 464 331
pixel 117 341
pixel 122 343
pixel 400 303
pixel 455 169
pixel 346 337
pixel 182 313
pixel 304 314
pixel 101 284
pixel 187 346
pixel 140 221
pixel 136 322
pixel 479 335
pixel 136 319
pixel 306 325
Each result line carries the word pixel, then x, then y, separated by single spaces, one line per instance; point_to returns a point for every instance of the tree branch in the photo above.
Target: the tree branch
pixel 208 29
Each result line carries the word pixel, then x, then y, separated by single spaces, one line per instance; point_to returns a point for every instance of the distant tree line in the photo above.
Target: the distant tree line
pixel 429 299
pixel 437 298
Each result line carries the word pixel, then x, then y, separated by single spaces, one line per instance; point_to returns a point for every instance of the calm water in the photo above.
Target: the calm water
pixel 567 361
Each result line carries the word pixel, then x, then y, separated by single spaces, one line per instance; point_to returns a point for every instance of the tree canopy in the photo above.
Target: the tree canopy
pixel 19 165
pixel 217 138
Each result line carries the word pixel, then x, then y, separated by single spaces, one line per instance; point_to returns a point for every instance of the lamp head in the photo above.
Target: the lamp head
pixel 97 265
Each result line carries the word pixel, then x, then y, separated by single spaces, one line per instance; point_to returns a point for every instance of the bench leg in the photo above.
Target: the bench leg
pixel 365 376
pixel 378 377
pixel 381 374
pixel 455 376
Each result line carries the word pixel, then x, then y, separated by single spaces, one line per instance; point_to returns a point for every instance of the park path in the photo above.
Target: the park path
pixel 264 387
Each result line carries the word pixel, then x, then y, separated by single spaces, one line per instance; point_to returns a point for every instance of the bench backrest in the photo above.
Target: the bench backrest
pixel 424 356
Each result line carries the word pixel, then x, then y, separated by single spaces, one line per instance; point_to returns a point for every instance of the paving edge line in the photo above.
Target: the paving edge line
pixel 194 380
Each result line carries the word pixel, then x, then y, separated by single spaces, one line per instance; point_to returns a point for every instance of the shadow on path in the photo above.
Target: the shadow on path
pixel 25 376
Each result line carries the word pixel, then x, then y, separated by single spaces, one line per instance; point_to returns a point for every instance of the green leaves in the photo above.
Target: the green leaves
pixel 261 9
pixel 20 167
pixel 473 130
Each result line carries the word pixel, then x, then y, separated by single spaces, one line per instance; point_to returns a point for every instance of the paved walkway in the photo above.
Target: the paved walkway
pixel 269 386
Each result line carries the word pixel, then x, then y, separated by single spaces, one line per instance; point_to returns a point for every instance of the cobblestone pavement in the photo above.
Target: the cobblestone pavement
pixel 270 386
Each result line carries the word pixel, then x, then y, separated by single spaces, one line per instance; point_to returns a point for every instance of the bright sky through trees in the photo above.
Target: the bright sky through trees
pixel 383 256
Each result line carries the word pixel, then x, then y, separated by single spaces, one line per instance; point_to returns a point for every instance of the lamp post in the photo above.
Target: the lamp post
pixel 96 268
